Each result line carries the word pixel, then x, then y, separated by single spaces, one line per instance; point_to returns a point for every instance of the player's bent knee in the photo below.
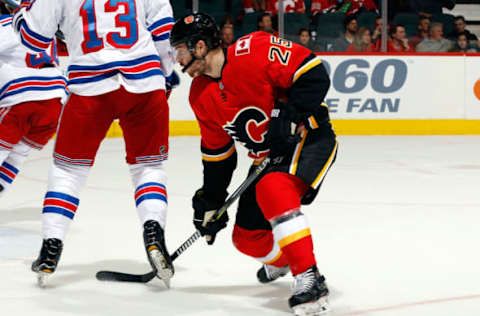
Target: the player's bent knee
pixel 279 192
pixel 253 243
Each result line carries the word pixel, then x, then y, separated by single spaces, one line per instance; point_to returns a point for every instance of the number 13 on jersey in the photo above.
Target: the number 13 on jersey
pixel 127 20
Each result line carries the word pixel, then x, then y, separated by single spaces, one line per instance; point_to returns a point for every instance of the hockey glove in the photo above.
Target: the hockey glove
pixel 205 205
pixel 281 138
pixel 171 82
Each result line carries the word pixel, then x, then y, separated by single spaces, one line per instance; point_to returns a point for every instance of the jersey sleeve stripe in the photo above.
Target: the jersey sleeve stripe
pixel 161 29
pixel 33 40
pixel 306 67
pixel 5 21
pixel 219 154
pixel 219 157
pixel 160 23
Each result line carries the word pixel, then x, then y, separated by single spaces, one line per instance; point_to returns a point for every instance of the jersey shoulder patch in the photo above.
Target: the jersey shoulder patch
pixel 5 20
pixel 242 46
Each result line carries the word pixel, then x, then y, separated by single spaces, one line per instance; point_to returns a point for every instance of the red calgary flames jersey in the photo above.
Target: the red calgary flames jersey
pixel 259 68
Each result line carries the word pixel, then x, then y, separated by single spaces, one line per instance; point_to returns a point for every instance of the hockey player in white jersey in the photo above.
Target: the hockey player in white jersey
pixel 32 90
pixel 120 64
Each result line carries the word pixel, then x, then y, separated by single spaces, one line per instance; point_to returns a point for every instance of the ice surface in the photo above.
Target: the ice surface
pixel 395 226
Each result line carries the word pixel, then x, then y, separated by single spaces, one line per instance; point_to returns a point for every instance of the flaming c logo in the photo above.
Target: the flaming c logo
pixel 476 89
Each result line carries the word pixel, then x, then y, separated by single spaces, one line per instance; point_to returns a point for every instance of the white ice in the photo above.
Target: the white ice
pixel 396 228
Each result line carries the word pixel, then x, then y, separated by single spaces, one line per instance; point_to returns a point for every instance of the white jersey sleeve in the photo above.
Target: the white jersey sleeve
pixel 8 45
pixel 35 30
pixel 159 19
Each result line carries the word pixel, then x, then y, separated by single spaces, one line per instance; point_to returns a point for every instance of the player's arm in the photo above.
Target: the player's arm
pixel 8 42
pixel 310 85
pixel 36 23
pixel 219 159
pixel 298 70
pixel 160 22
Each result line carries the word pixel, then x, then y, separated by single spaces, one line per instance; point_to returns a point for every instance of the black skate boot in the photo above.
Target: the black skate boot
pixel 157 252
pixel 47 261
pixel 268 273
pixel 309 294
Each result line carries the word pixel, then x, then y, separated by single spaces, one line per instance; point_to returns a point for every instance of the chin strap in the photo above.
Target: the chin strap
pixel 194 58
pixel 189 64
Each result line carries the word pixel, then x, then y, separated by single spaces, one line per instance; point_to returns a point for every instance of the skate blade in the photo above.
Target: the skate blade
pixel 163 272
pixel 42 278
pixel 318 308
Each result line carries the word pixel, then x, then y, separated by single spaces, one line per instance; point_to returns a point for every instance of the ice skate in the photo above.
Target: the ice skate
pixel 47 261
pixel 310 294
pixel 157 253
pixel 268 273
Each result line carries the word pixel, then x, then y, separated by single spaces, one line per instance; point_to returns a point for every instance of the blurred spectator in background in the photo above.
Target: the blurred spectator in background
pixel 305 39
pixel 462 45
pixel 399 41
pixel 264 23
pixel 323 6
pixel 362 42
pixel 423 27
pixel 459 28
pixel 435 42
pixel 377 33
pixel 227 20
pixel 227 35
pixel 250 6
pixel 430 7
pixel 297 6
pixel 355 7
pixel 344 40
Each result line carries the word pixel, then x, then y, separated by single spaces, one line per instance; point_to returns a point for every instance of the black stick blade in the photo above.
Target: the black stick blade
pixel 125 277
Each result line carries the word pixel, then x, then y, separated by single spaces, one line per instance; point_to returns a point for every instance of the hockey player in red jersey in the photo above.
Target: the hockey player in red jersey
pixel 32 90
pixel 253 92
pixel 120 65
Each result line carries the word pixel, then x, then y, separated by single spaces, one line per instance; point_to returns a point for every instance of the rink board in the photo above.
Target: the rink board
pixel 381 94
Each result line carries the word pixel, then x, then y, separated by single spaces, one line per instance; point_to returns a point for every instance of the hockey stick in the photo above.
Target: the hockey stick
pixel 13 5
pixel 144 278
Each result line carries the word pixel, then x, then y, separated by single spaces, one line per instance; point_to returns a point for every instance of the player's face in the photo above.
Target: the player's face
pixel 184 57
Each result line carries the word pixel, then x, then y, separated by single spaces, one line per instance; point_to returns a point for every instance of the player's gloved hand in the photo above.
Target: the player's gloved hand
pixel 205 205
pixel 171 82
pixel 281 138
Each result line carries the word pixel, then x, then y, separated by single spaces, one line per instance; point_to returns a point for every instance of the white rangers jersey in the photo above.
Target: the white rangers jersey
pixel 24 76
pixel 111 43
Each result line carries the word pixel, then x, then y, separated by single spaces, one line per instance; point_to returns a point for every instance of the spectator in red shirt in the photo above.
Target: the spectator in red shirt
pixel 323 6
pixel 352 7
pixel 423 27
pixel 399 41
pixel 289 6
pixel 362 43
pixel 251 6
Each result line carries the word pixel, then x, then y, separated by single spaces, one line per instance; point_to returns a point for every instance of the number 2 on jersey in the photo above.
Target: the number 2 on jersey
pixel 128 20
